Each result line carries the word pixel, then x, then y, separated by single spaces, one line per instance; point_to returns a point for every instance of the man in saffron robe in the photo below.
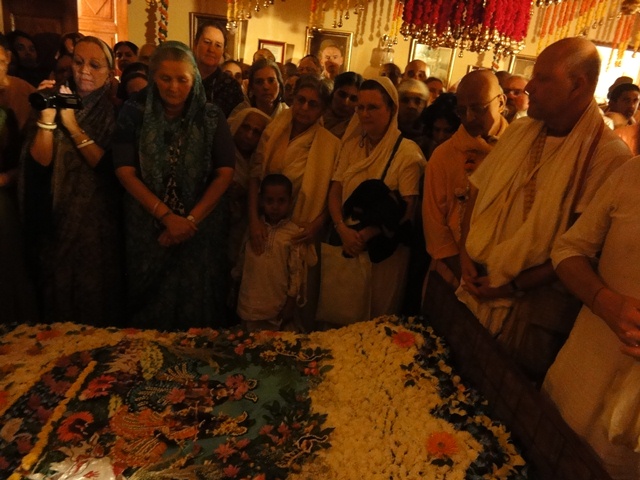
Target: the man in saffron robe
pixel 446 183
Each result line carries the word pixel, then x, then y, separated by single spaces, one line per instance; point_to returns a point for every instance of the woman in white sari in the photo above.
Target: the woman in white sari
pixel 296 145
pixel 367 148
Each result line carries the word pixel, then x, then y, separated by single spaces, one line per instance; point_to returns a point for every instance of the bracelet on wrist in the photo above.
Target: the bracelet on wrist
pixel 85 143
pixel 192 219
pixel 47 126
pixel 155 207
pixel 165 214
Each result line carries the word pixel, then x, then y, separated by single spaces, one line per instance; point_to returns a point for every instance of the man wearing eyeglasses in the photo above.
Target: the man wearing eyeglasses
pixel 540 176
pixel 446 185
pixel 517 97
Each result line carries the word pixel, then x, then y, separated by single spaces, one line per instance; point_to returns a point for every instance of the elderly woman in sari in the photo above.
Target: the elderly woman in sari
pixel 372 148
pixel 175 158
pixel 265 89
pixel 70 198
pixel 246 127
pixel 296 145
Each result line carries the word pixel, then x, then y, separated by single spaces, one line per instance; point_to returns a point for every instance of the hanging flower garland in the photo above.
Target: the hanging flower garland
pixel 163 23
pixel 620 19
pixel 475 25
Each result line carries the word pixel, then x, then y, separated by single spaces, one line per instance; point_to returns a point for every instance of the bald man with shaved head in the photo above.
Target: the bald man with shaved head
pixel 417 70
pixel 532 186
pixel 446 183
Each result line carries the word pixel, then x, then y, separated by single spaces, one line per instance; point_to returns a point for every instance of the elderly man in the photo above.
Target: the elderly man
pixel 530 188
pixel 331 60
pixel 416 69
pixel 413 95
pixel 446 184
pixel 517 97
pixel 309 65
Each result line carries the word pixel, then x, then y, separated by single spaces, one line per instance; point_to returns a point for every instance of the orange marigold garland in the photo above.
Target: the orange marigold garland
pixel 163 23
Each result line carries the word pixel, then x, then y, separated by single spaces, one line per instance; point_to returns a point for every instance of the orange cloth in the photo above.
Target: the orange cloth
pixel 446 189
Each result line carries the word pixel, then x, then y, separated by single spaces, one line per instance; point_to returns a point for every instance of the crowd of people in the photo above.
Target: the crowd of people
pixel 168 188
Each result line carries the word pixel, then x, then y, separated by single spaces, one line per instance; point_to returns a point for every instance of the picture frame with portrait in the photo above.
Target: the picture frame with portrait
pixel 439 60
pixel 235 40
pixel 522 65
pixel 277 48
pixel 318 40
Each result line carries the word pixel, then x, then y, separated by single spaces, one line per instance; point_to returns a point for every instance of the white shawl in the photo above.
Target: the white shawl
pixel 549 215
pixel 504 258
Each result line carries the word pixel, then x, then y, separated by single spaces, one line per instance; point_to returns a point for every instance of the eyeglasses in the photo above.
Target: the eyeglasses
pixel 344 95
pixel 476 110
pixel 516 92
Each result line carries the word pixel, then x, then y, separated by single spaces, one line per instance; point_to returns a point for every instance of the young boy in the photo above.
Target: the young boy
pixel 272 281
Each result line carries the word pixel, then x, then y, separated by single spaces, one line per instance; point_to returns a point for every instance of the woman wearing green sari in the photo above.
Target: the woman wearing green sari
pixel 175 156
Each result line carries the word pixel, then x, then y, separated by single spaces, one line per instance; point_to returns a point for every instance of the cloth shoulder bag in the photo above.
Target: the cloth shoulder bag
pixel 345 283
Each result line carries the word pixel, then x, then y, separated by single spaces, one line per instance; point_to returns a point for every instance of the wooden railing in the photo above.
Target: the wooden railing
pixel 552 449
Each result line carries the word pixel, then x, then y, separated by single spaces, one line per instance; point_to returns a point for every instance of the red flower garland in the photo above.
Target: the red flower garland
pixel 477 25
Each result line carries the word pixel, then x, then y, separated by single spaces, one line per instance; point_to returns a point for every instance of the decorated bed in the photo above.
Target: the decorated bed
pixel 375 400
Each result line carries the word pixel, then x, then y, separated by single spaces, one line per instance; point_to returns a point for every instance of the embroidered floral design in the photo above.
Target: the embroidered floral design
pixel 74 427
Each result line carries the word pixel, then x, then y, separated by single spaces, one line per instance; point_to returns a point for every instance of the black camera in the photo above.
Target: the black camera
pixel 52 98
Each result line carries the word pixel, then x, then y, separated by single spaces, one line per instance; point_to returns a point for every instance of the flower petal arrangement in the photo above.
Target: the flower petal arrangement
pixel 376 399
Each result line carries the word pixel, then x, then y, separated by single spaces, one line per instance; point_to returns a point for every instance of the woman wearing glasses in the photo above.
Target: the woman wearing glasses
pixel 70 198
pixel 343 103
pixel 372 148
pixel 296 145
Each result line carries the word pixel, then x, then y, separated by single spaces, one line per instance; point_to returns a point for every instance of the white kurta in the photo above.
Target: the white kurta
pixel 595 386
pixel 269 278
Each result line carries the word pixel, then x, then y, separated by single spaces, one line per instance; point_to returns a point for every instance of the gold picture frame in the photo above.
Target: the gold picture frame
pixel 439 60
pixel 318 39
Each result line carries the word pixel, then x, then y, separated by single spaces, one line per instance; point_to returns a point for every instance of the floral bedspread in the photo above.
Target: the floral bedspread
pixel 372 400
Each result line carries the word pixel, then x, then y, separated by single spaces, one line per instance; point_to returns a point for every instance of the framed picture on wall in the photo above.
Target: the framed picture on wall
pixel 277 48
pixel 318 40
pixel 439 60
pixel 522 65
pixel 235 40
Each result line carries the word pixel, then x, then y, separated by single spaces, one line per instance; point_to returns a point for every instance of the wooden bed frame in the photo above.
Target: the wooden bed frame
pixel 552 449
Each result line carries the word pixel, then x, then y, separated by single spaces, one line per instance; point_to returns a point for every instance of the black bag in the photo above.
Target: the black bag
pixel 374 204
